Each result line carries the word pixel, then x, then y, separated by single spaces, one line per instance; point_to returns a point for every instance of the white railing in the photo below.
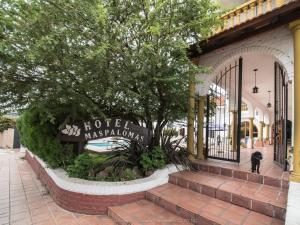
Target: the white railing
pixel 248 11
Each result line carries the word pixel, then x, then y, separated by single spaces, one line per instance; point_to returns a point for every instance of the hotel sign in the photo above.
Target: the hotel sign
pixel 97 129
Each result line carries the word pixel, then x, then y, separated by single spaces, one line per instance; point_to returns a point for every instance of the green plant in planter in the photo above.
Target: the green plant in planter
pixel 172 150
pixel 146 162
pixel 152 160
pixel 118 165
pixel 86 164
pixel 128 174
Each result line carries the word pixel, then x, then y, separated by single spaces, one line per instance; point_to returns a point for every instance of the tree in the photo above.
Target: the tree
pixel 107 58
pixel 6 123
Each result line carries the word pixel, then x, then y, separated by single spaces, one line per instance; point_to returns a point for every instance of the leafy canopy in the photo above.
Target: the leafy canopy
pixel 6 123
pixel 122 58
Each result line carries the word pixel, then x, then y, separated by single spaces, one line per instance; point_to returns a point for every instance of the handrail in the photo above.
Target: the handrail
pixel 248 11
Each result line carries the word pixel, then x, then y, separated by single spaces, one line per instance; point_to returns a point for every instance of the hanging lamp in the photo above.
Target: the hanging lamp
pixel 255 88
pixel 269 105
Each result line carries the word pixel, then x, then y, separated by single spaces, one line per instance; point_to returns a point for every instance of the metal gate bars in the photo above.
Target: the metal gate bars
pixel 223 114
pixel 280 117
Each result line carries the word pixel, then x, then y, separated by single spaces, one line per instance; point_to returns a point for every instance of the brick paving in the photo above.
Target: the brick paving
pixel 266 193
pixel 201 207
pixel 258 197
pixel 145 213
pixel 267 167
pixel 25 201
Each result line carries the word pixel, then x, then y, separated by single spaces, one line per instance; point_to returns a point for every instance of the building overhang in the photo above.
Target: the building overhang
pixel 267 21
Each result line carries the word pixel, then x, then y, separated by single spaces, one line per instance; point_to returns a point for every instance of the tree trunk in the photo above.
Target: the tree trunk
pixel 157 133
pixel 156 136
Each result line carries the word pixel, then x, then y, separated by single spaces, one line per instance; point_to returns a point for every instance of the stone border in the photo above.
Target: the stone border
pixel 92 197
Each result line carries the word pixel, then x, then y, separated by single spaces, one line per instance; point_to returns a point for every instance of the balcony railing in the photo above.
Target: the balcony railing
pixel 248 11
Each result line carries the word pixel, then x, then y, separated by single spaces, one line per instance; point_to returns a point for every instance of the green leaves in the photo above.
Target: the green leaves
pixel 85 164
pixel 105 58
pixel 38 131
pixel 153 160
pixel 155 29
pixel 6 123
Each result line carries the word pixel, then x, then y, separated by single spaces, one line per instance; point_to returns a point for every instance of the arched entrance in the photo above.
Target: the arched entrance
pixel 225 135
pixel 223 114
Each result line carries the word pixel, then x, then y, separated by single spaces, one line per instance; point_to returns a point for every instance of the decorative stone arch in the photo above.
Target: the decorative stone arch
pixel 277 43
pixel 281 56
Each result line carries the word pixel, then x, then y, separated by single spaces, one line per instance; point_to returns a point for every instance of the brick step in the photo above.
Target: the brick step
pixel 103 220
pixel 242 174
pixel 144 212
pixel 264 199
pixel 205 210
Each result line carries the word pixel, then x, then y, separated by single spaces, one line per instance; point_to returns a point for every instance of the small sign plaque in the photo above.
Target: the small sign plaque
pixel 97 129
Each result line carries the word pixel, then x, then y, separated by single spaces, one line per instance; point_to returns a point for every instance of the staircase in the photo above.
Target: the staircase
pixel 206 198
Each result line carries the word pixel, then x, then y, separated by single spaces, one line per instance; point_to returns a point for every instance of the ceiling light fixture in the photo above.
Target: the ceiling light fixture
pixel 269 104
pixel 255 89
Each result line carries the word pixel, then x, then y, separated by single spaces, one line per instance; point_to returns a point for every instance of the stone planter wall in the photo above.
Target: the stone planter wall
pixel 92 197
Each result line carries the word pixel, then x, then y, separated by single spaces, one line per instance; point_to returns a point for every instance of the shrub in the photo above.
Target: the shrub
pixel 6 123
pixel 104 167
pixel 173 152
pixel 86 164
pixel 146 163
pixel 128 174
pixel 152 160
pixel 119 165
pixel 38 134
pixel 167 135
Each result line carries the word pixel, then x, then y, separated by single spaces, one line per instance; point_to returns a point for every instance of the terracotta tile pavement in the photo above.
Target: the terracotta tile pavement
pixel 25 201
pixel 274 195
pixel 144 212
pixel 267 165
pixel 223 212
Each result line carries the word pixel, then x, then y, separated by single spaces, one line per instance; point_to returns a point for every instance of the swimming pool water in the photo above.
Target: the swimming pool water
pixel 107 145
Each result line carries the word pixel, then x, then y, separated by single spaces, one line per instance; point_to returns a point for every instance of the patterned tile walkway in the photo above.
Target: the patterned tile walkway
pixel 24 200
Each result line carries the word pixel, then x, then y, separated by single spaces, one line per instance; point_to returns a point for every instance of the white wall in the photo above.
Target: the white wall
pixel 7 138
pixel 277 43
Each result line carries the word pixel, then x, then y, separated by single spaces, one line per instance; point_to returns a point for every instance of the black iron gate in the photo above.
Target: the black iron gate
pixel 280 115
pixel 223 114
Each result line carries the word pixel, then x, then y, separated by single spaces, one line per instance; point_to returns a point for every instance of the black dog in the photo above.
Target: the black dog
pixel 255 161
